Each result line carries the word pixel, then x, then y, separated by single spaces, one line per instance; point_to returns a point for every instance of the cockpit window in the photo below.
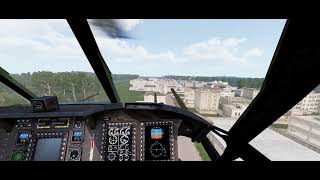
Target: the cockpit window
pixel 216 66
pixel 9 97
pixel 295 136
pixel 45 57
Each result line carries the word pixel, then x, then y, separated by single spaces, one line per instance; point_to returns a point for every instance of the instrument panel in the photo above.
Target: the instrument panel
pixel 45 139
pixel 115 136
pixel 133 137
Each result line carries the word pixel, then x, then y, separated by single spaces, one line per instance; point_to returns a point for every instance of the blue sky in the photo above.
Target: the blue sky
pixel 159 47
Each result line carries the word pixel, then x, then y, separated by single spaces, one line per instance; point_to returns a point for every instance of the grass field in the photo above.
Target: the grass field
pixel 280 126
pixel 203 154
pixel 122 87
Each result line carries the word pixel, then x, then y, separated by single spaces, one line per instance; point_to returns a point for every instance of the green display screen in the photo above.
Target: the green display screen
pixel 18 156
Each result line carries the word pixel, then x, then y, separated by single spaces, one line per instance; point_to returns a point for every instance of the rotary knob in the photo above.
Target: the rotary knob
pixel 74 155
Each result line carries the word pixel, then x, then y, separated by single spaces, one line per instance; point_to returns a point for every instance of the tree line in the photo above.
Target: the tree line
pixel 67 86
pixel 84 86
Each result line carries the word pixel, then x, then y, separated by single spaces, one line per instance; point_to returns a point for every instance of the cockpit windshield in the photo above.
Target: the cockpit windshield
pixel 213 65
pixel 169 79
pixel 45 57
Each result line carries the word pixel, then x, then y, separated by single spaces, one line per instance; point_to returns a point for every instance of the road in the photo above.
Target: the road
pixel 186 150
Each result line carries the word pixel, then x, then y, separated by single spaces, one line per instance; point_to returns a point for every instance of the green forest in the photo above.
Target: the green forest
pixel 84 86
pixel 68 87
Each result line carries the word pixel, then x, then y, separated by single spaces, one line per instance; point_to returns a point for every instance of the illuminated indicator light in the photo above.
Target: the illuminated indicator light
pixel 77 133
pixel 24 135
pixel 18 156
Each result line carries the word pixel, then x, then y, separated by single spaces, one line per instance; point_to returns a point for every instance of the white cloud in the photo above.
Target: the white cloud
pixel 216 49
pixel 129 24
pixel 29 45
pixel 254 52
pixel 118 50
pixel 33 45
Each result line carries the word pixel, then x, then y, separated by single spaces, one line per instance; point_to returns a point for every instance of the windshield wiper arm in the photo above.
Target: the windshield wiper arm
pixel 179 100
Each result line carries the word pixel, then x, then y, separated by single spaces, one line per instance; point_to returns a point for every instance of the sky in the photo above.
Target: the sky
pixel 189 47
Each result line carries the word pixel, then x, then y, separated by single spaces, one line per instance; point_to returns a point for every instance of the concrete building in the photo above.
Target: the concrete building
pixel 148 87
pixel 206 101
pixel 219 84
pixel 187 83
pixel 308 105
pixel 137 84
pixel 144 84
pixel 232 100
pixel 199 84
pixel 226 93
pixel 233 110
pixel 238 92
pixel 168 84
pixel 273 145
pixel 189 94
pixel 250 93
pixel 149 97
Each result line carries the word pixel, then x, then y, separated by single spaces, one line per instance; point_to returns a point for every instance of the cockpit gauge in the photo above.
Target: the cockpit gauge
pixel 74 155
pixel 157 150
pixel 119 142
pixel 157 141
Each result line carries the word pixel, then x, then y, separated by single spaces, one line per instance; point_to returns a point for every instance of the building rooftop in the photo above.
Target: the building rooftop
pixel 236 106
pixel 314 119
pixel 207 90
pixel 272 144
pixel 149 85
pixel 149 93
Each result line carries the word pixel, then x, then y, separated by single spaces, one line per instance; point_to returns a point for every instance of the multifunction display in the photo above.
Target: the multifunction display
pixel 157 142
pixel 118 144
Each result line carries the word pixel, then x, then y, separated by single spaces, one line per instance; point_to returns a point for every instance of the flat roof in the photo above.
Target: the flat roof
pixel 272 144
pixel 314 119
pixel 149 93
pixel 233 106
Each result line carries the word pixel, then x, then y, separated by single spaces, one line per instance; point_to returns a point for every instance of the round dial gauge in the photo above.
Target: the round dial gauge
pixel 74 154
pixel 157 149
pixel 124 139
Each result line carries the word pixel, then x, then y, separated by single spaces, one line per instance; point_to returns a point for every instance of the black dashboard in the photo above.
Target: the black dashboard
pixel 95 132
